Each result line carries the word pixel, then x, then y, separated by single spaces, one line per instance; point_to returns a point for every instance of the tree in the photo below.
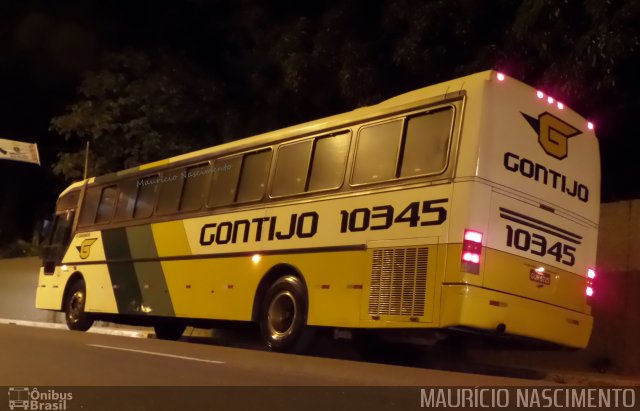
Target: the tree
pixel 139 107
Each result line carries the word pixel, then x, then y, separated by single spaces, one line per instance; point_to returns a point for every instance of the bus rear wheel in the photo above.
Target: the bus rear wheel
pixel 169 330
pixel 283 316
pixel 76 317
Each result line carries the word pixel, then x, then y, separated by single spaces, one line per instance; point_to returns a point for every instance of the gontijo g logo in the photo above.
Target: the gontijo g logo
pixel 553 134
pixel 85 248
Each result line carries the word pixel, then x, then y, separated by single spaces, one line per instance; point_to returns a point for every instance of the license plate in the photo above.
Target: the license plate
pixel 540 277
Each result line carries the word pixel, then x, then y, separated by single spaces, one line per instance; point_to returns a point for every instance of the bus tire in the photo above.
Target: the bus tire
pixel 283 317
pixel 169 330
pixel 76 317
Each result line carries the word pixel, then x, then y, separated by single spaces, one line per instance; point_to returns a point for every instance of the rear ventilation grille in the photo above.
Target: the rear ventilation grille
pixel 399 281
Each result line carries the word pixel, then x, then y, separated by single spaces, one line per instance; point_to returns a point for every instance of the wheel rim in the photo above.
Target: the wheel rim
pixel 282 315
pixel 76 306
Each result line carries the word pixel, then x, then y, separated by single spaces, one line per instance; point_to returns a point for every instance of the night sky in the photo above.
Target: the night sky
pixel 47 46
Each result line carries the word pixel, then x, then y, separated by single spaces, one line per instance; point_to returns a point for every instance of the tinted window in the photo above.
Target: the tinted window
pixel 89 206
pixel 146 195
pixel 377 152
pixel 329 160
pixel 195 186
pixel 224 180
pixel 426 143
pixel 68 201
pixel 126 200
pixel 255 173
pixel 170 189
pixel 292 168
pixel 107 204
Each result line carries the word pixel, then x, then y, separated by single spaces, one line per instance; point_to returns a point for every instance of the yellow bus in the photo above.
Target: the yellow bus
pixel 468 205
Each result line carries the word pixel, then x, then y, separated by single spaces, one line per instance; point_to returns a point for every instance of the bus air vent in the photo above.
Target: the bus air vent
pixel 399 281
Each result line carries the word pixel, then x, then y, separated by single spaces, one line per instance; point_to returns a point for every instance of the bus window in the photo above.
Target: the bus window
pixel 126 200
pixel 195 187
pixel 426 143
pixel 89 206
pixel 329 160
pixel 255 173
pixel 68 201
pixel 224 181
pixel 106 204
pixel 292 166
pixel 377 153
pixel 146 197
pixel 170 189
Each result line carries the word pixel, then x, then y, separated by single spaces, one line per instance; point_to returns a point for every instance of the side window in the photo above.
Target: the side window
pixel 126 200
pixel 254 176
pixel 427 143
pixel 68 201
pixel 107 204
pixel 329 161
pixel 292 166
pixel 224 181
pixel 170 188
pixel 89 206
pixel 195 187
pixel 377 152
pixel 146 195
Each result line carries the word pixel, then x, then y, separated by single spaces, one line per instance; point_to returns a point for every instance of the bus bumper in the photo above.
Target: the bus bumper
pixel 476 307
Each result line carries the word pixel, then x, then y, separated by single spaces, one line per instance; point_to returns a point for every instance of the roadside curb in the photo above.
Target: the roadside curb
pixel 96 330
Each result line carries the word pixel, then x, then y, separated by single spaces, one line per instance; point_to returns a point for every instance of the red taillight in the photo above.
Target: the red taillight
pixel 471 252
pixel 591 275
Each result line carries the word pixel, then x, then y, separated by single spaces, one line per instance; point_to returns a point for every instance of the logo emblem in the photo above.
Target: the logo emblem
pixel 553 133
pixel 85 248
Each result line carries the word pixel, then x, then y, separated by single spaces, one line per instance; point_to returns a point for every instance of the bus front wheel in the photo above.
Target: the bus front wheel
pixel 283 316
pixel 76 317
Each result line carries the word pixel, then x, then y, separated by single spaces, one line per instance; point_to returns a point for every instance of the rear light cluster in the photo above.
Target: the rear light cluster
pixel 550 100
pixel 471 252
pixel 591 275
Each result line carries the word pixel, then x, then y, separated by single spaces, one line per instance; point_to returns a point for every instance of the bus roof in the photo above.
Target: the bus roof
pixel 326 124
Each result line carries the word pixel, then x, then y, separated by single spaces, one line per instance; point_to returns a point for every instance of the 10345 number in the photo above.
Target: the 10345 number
pixel 383 217
pixel 538 245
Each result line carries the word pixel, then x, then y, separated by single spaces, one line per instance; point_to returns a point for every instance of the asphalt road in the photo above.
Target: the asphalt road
pixel 48 357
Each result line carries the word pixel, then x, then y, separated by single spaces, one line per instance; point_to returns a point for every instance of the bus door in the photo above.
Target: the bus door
pixel 57 241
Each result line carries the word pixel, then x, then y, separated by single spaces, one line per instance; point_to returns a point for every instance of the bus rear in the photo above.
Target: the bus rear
pixel 528 237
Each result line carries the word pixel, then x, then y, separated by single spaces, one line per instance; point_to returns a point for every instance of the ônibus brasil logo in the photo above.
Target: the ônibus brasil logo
pixel 553 133
pixel 25 398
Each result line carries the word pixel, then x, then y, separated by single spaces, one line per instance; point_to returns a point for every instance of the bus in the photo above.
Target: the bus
pixel 470 205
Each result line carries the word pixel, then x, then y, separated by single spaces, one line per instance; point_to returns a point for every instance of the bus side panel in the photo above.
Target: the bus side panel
pixel 50 290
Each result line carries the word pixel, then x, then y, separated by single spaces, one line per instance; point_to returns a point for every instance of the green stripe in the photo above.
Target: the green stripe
pixel 123 276
pixel 151 281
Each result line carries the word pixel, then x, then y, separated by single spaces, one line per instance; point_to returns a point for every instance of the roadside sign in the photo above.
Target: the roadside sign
pixel 19 151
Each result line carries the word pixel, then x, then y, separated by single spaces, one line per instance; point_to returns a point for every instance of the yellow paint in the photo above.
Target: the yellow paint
pixel 51 289
pixel 510 273
pixel 170 239
pixel 100 296
pixel 469 306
